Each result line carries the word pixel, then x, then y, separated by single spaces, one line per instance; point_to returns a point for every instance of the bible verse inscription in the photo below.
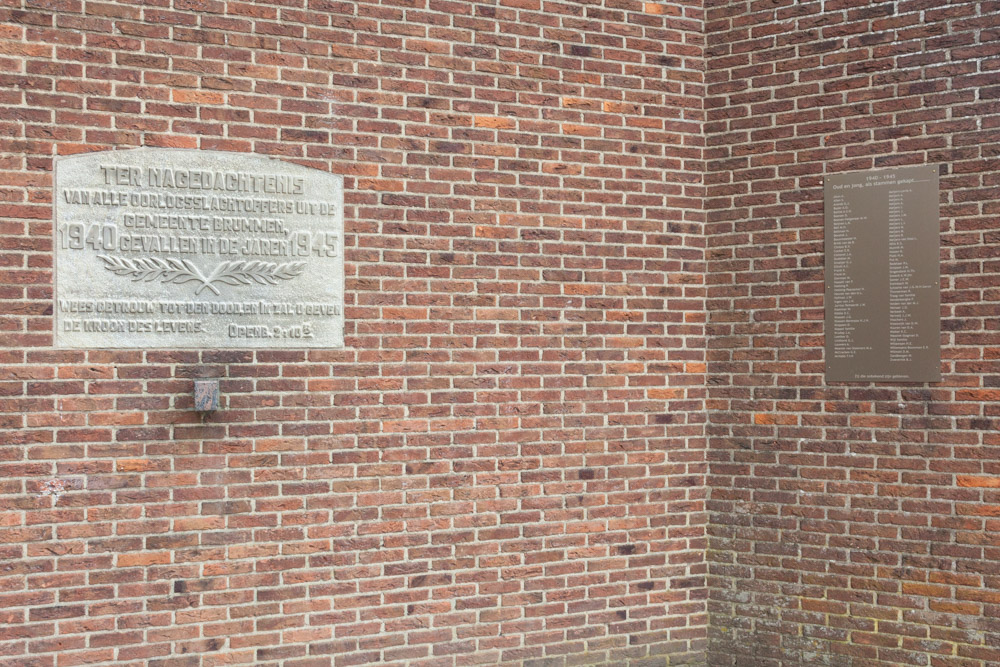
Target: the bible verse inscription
pixel 883 304
pixel 171 248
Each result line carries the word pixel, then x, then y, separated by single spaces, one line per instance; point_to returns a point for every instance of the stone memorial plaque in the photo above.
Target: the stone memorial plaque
pixel 883 301
pixel 171 248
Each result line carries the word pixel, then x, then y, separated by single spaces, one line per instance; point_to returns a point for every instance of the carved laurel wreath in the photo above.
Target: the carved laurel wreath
pixel 179 271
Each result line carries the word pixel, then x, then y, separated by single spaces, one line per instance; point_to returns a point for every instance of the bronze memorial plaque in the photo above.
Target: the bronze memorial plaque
pixel 170 248
pixel 883 301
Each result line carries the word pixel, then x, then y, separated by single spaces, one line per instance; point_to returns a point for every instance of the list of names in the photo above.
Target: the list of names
pixel 882 276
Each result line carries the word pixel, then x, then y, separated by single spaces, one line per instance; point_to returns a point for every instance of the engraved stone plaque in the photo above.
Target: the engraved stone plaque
pixel 172 248
pixel 883 301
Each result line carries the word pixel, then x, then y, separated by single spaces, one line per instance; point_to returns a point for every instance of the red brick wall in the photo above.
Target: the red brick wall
pixel 506 463
pixel 852 524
